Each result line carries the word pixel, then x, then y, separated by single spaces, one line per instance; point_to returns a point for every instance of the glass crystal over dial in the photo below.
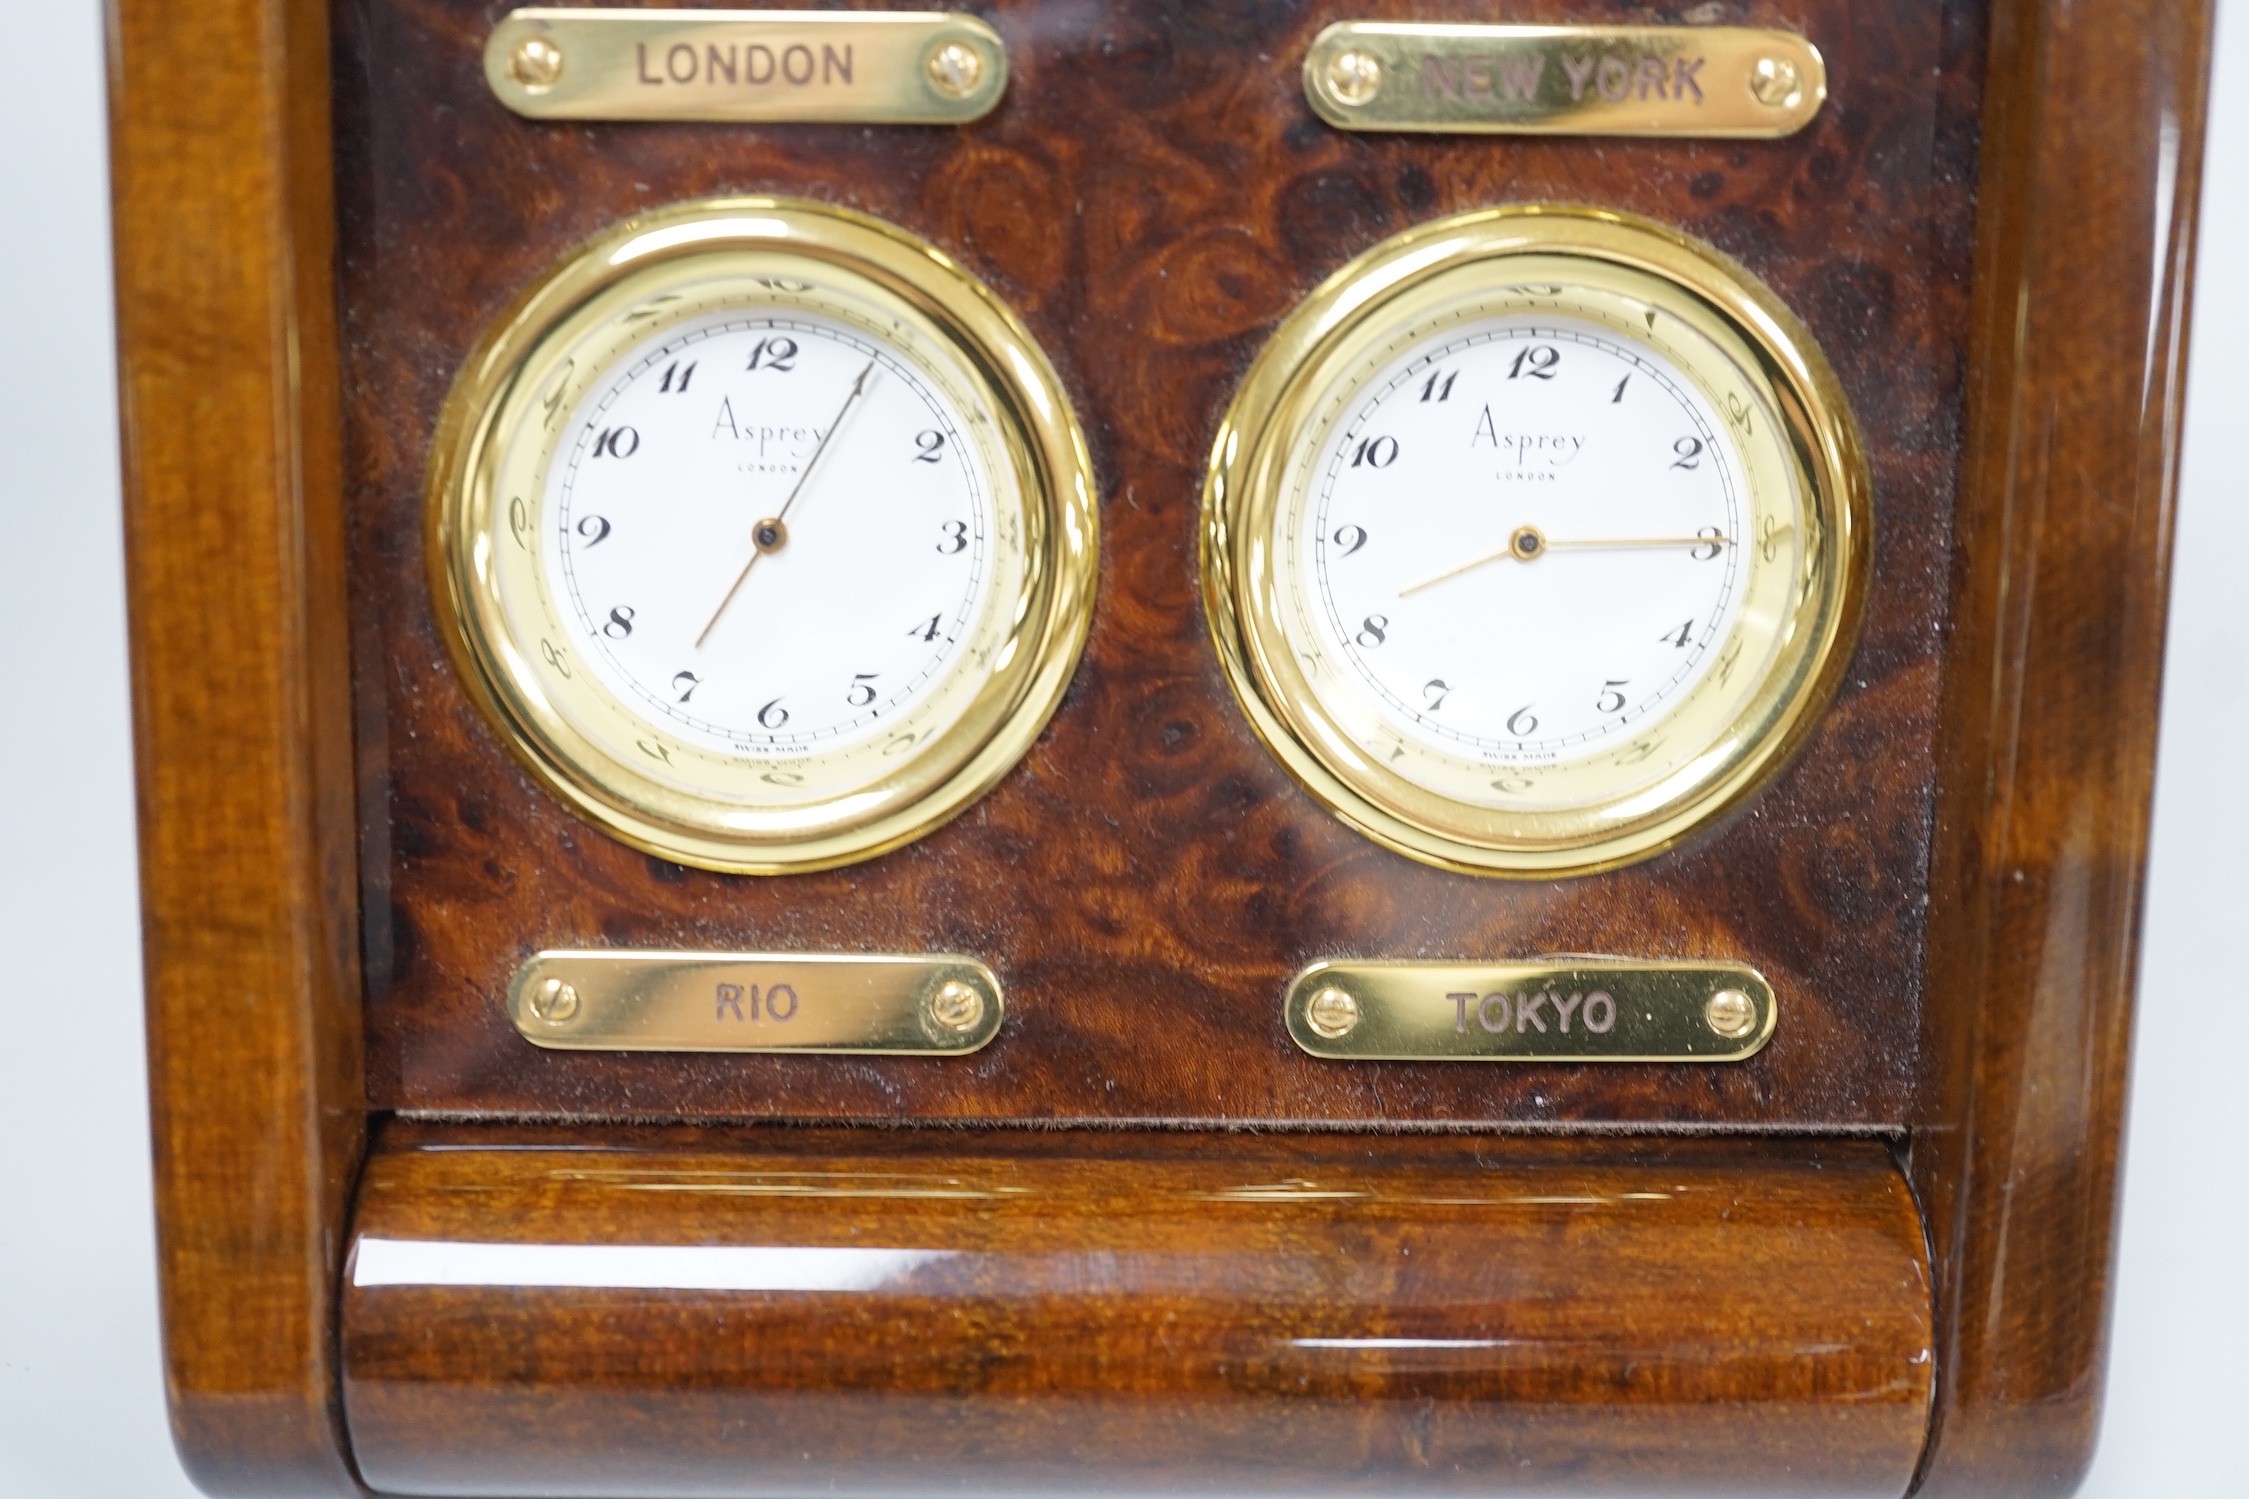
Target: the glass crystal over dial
pixel 765 534
pixel 1533 537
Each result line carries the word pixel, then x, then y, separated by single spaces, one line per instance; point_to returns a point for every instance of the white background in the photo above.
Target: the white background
pixel 81 1404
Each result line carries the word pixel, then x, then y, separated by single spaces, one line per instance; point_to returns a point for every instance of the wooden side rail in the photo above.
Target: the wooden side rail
pixel 546 1310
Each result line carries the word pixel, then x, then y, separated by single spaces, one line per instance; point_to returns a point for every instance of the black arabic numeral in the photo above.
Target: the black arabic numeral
pixel 1376 452
pixel 862 691
pixel 1436 690
pixel 956 533
pixel 1680 636
pixel 931 444
pixel 1689 450
pixel 595 529
pixel 1374 630
pixel 1439 386
pixel 620 622
pixel 1350 538
pixel 1611 699
pixel 693 681
pixel 1537 361
pixel 1618 398
pixel 678 386
pixel 1714 539
pixel 774 354
pixel 1522 723
pixel 772 715
pixel 924 632
pixel 616 442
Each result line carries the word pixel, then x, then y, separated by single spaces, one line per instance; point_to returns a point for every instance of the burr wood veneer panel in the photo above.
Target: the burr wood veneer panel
pixel 1152 195
pixel 854 1312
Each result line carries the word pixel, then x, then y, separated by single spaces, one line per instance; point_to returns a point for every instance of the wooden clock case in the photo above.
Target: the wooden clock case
pixel 1872 1260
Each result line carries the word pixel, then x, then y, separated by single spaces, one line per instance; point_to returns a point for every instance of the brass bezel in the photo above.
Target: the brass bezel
pixel 1387 287
pixel 1038 435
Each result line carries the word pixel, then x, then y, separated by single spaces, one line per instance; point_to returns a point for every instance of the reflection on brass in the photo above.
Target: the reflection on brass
pixel 1565 80
pixel 855 67
pixel 670 1001
pixel 1574 1009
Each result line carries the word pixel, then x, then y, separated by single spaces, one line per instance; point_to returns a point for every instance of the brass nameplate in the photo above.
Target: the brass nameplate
pixel 853 67
pixel 1564 1009
pixel 1565 80
pixel 670 1001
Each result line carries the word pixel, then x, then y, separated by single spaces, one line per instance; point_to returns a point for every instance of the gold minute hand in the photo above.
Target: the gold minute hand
pixel 1528 544
pixel 771 535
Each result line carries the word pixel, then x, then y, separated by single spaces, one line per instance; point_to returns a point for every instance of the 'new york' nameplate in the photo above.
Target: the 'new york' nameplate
pixel 1734 81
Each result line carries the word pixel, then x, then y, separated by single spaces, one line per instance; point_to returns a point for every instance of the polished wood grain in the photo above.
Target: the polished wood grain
pixel 1153 195
pixel 2091 171
pixel 242 718
pixel 1142 1312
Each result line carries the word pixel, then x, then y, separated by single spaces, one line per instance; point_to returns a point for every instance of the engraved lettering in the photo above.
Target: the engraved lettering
pixel 832 66
pixel 1683 78
pixel 1476 77
pixel 1519 77
pixel 1614 79
pixel 641 48
pixel 1653 74
pixel 730 998
pixel 1484 1013
pixel 1565 1008
pixel 1580 70
pixel 714 63
pixel 789 60
pixel 671 62
pixel 773 1002
pixel 1440 77
pixel 1460 1003
pixel 1605 1021
pixel 758 53
pixel 1527 1007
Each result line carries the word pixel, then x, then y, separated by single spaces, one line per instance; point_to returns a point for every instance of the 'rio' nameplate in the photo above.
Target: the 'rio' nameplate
pixel 1562 1009
pixel 1736 81
pixel 837 66
pixel 792 1002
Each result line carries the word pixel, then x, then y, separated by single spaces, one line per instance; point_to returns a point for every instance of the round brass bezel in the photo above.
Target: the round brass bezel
pixel 1265 438
pixel 521 365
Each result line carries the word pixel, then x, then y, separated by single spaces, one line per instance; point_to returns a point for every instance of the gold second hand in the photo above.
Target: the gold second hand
pixel 1528 543
pixel 803 478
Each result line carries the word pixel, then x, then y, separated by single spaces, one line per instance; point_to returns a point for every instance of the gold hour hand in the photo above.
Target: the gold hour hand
pixel 1528 544
pixel 772 533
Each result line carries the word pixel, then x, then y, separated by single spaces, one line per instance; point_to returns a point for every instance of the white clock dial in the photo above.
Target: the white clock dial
pixel 766 535
pixel 1534 539
pixel 1524 539
pixel 874 568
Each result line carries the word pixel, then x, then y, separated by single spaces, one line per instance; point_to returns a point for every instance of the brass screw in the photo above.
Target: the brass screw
pixel 555 1002
pixel 955 69
pixel 1333 1013
pixel 1730 1014
pixel 536 65
pixel 1776 83
pixel 1354 77
pixel 769 535
pixel 956 1006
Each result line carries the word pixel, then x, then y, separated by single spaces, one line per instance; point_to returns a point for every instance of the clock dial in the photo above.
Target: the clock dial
pixel 1533 540
pixel 765 534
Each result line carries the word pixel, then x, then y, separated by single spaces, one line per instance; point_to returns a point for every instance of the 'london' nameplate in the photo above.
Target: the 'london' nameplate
pixel 792 1002
pixel 836 66
pixel 1562 1009
pixel 1733 81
